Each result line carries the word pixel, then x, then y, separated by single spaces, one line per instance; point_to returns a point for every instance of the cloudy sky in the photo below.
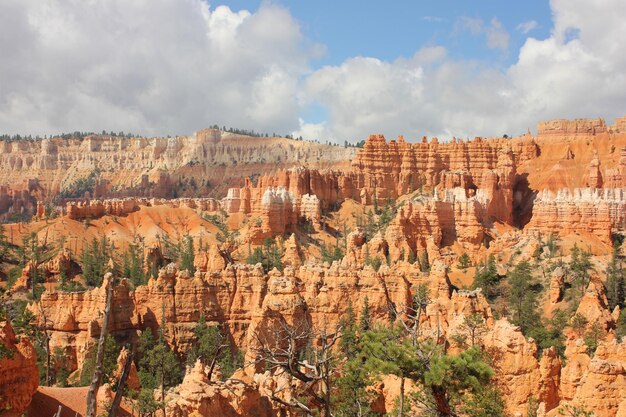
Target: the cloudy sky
pixel 317 69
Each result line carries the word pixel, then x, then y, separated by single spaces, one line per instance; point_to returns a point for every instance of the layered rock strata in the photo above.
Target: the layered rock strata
pixel 19 376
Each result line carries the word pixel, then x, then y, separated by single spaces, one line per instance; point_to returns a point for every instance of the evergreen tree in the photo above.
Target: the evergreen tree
pixel 187 254
pixel 487 278
pixel 523 297
pixel 349 339
pixel 615 281
pixel 95 260
pixel 593 337
pixel 365 322
pixel 5 246
pixel 445 379
pixel 158 366
pixel 211 347
pixel 487 401
pixel 352 397
pixel 579 323
pixel 581 266
pixel 109 364
pixel 620 329
pixel 269 256
pixel 464 262
pixel 133 264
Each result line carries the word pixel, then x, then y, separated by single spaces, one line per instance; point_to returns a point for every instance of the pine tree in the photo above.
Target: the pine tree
pixel 349 339
pixel 187 254
pixel 95 260
pixel 5 246
pixel 615 281
pixel 523 297
pixel 365 322
pixel 133 264
pixel 464 262
pixel 487 278
pixel 581 266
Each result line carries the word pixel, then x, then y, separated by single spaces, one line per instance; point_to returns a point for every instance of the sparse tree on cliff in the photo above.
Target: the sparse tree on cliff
pixel 307 355
pixel 187 254
pixel 523 297
pixel 445 379
pixel 97 374
pixel 581 267
pixel 487 278
pixel 95 260
pixel 615 281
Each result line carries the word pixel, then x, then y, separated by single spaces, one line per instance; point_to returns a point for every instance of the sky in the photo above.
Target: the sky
pixel 322 70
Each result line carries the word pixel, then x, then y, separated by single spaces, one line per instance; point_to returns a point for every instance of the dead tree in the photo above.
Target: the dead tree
pixel 306 356
pixel 117 400
pixel 47 347
pixel 97 373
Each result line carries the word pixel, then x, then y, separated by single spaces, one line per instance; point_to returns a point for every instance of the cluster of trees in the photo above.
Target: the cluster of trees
pixel 78 188
pixel 339 367
pixel 517 296
pixel 268 255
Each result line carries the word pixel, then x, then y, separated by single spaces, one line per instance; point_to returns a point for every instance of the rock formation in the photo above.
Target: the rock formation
pixel 19 376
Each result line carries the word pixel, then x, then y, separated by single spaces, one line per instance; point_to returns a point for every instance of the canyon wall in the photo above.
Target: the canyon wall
pixel 151 167
pixel 19 376
pixel 246 301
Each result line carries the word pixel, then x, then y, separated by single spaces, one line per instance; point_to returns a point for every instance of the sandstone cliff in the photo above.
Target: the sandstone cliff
pixel 19 376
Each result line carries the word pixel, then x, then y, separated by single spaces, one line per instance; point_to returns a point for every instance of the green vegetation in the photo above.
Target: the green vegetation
pixel 581 267
pixel 133 265
pixel 615 288
pixel 78 188
pixel 487 278
pixel 464 262
pixel 95 260
pixel 269 255
pixel 109 364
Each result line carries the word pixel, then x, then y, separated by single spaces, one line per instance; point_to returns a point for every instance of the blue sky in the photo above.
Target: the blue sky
pixel 399 28
pixel 318 69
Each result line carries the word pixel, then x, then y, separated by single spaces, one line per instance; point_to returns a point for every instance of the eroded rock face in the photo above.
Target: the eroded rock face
pixel 197 396
pixel 563 128
pixel 150 167
pixel 19 377
pixel 595 211
pixel 248 302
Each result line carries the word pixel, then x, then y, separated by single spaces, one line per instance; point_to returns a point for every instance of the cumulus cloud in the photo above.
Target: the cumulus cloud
pixel 562 76
pixel 148 66
pixel 174 66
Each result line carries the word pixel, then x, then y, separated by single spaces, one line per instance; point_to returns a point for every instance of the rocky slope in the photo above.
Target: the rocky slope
pixel 19 376
pixel 246 301
pixel 202 164
pixel 482 197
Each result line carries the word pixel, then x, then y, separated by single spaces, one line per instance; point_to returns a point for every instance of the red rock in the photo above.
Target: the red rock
pixel 19 376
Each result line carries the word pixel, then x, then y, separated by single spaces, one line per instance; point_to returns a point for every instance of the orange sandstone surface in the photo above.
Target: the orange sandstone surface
pixel 481 197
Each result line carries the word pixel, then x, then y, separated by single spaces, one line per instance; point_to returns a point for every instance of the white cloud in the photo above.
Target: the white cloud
pixel 473 24
pixel 496 35
pixel 562 76
pixel 147 66
pixel 174 66
pixel 527 26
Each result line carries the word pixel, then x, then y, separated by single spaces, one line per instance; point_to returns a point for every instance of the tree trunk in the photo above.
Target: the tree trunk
pixel 441 402
pixel 97 374
pixel 401 397
pixel 120 386
pixel 214 361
